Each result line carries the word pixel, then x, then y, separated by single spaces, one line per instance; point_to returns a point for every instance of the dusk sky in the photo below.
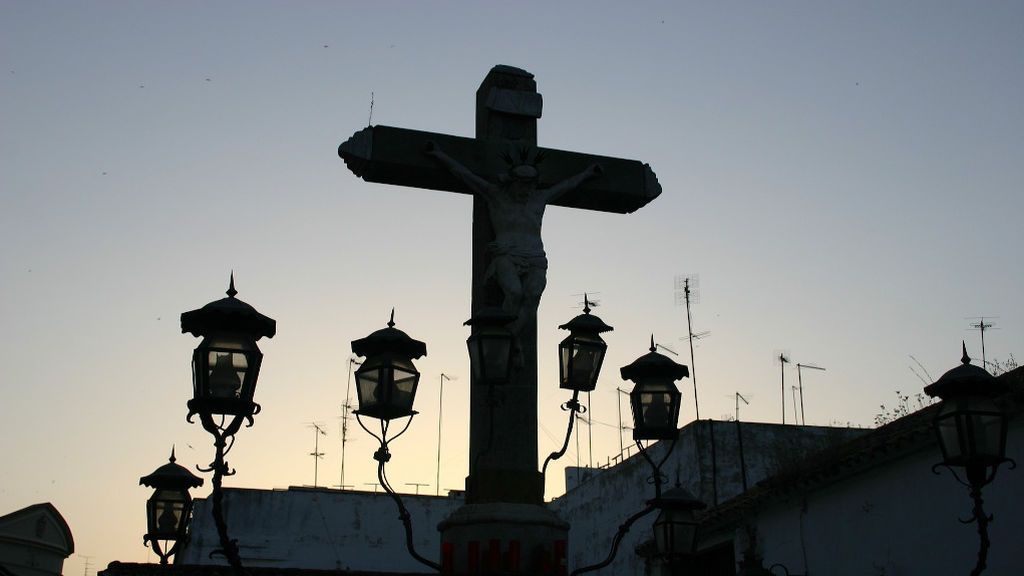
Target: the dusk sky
pixel 845 179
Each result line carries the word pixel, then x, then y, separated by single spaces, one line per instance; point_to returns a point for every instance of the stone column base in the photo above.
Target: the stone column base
pixel 502 538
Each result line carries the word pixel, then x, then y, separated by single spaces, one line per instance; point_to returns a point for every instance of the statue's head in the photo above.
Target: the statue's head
pixel 522 170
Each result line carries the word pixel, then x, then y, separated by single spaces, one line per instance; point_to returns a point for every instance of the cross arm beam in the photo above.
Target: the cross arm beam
pixel 388 155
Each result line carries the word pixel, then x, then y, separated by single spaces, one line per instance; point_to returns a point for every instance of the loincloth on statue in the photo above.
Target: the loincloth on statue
pixel 523 261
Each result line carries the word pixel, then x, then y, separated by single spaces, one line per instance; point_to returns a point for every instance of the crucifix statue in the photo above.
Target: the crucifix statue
pixel 512 182
pixel 515 205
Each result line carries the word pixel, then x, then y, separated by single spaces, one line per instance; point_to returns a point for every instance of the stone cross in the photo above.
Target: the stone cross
pixel 512 181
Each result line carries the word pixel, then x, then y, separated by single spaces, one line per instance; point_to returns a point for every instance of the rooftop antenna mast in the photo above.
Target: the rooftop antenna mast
pixel 793 390
pixel 440 412
pixel 316 453
pixel 783 359
pixel 346 409
pixel 981 326
pixel 618 398
pixel 687 293
pixel 88 564
pixel 800 381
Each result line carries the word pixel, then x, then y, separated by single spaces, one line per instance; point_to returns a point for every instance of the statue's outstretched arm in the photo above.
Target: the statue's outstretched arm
pixel 475 183
pixel 553 193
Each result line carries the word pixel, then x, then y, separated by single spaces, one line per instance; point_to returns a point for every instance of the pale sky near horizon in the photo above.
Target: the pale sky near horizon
pixel 844 178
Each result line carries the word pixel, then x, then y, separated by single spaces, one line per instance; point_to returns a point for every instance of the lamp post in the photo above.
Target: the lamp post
pixel 675 528
pixel 490 346
pixel 971 430
pixel 580 356
pixel 386 385
pixel 655 401
pixel 169 508
pixel 225 368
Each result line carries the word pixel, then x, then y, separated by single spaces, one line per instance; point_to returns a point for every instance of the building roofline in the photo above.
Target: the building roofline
pixel 907 435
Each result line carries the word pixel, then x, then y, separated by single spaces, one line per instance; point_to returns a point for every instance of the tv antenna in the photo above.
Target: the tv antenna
pixel 745 401
pixel 417 485
pixel 666 349
pixel 587 300
pixel 800 381
pixel 88 564
pixel 687 290
pixel 981 326
pixel 783 359
pixel 440 412
pixel 346 409
pixel 316 453
pixel 369 121
pixel 696 336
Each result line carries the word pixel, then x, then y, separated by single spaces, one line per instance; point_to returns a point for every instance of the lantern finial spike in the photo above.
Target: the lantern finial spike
pixel 654 348
pixel 391 322
pixel 586 304
pixel 172 459
pixel 231 286
pixel 965 358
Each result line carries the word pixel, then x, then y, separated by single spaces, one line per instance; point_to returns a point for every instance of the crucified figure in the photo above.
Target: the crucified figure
pixel 515 205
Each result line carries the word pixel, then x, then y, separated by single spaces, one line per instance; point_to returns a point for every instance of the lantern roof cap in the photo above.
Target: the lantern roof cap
pixel 966 379
pixel 678 498
pixel 172 476
pixel 391 340
pixel 228 314
pixel 654 365
pixel 586 322
pixel 490 316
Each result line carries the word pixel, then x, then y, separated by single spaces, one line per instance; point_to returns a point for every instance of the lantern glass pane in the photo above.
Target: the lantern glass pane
pixel 987 429
pixel 674 533
pixel 587 355
pixel 951 434
pixel 166 513
pixel 656 409
pixel 404 390
pixel 225 373
pixel 368 385
pixel 564 366
pixel 985 422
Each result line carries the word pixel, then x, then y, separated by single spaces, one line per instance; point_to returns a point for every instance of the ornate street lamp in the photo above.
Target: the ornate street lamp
pixel 169 508
pixel 675 528
pixel 971 430
pixel 386 381
pixel 226 364
pixel 580 357
pixel 582 352
pixel 655 399
pixel 225 367
pixel 490 346
pixel 386 385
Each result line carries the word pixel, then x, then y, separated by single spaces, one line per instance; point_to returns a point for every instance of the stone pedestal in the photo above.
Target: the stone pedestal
pixel 501 538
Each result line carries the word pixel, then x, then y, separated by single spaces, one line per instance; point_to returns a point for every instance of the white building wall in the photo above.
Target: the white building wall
pixel 320 529
pixel 607 497
pixel 899 519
